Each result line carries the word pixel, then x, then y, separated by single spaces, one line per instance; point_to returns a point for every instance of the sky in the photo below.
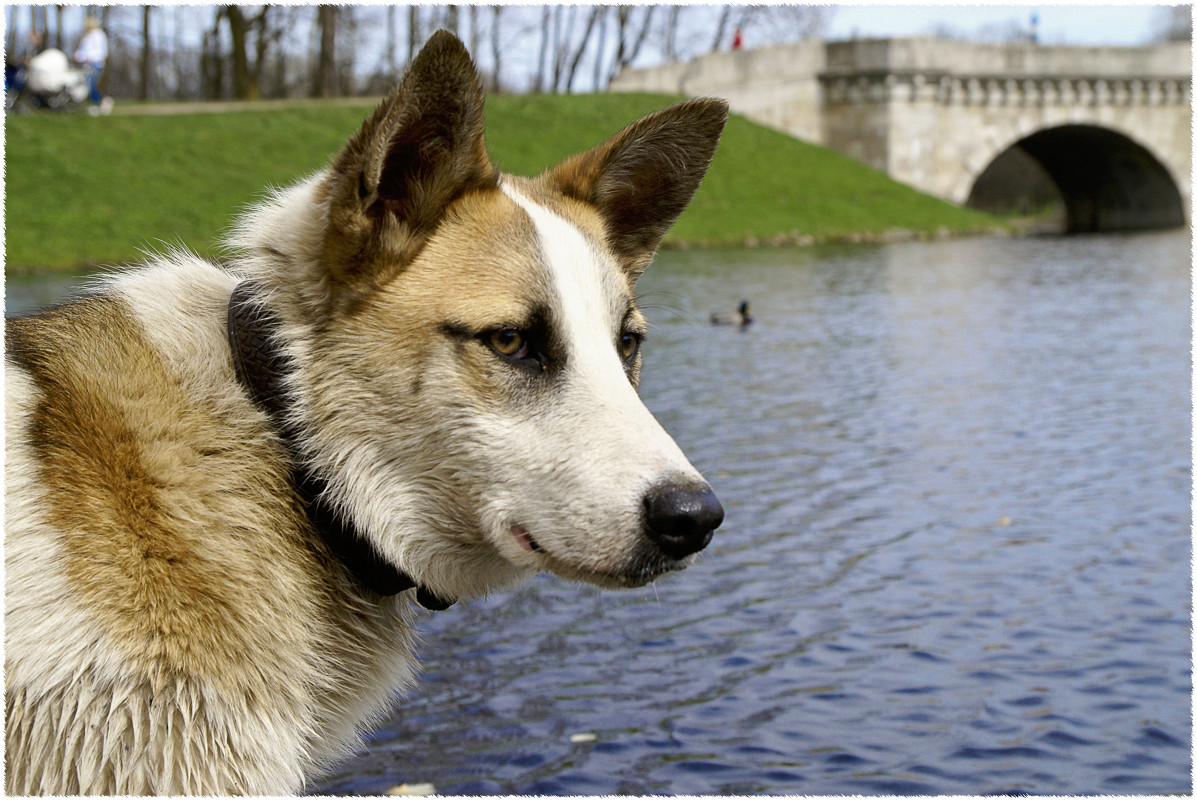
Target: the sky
pixel 1129 24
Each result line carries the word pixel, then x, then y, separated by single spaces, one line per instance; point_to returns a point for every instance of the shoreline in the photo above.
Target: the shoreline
pixel 793 239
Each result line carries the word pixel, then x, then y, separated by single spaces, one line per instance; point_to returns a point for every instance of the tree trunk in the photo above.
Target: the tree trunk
pixel 496 47
pixel 176 60
pixel 475 39
pixel 602 41
pixel 573 66
pixel 721 28
pixel 59 37
pixel 212 60
pixel 561 42
pixel 648 18
pixel 392 44
pixel 324 83
pixel 629 45
pixel 144 89
pixel 545 21
pixel 347 22
pixel 671 26
pixel 238 30
pixel 413 31
pixel 622 14
pixel 279 86
pixel 10 38
pixel 261 23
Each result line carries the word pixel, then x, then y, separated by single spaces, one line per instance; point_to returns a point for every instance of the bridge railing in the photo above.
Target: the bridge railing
pixel 1002 90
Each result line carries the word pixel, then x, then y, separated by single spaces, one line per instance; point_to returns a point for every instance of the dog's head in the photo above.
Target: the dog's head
pixel 469 343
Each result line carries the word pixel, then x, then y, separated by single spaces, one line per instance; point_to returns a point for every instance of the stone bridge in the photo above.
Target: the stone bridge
pixel 1111 127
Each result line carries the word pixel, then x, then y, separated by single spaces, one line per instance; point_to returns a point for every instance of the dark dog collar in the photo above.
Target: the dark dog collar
pixel 260 367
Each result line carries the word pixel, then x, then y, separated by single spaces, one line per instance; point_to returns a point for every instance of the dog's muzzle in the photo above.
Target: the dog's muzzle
pixel 681 519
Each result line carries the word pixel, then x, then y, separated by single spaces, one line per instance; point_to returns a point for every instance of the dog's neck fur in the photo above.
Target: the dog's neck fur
pixel 260 366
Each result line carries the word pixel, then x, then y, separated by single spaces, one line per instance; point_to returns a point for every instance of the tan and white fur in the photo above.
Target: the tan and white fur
pixel 466 349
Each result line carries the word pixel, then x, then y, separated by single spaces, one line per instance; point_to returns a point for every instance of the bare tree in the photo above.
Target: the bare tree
pixel 669 34
pixel 37 20
pixel 474 32
pixel 771 24
pixel 622 15
pixel 239 35
pixel 496 48
pixel 561 42
pixel 391 43
pixel 631 36
pixel 645 27
pixel 247 73
pixel 349 31
pixel 545 22
pixel 59 38
pixel 1174 24
pixel 279 86
pixel 187 63
pixel 577 59
pixel 413 31
pixel 324 80
pixel 10 38
pixel 603 14
pixel 212 60
pixel 144 89
pixel 269 50
pixel 721 29
pixel 267 37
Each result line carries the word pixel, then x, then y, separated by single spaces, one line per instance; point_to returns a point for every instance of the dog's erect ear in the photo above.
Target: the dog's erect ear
pixel 642 178
pixel 420 150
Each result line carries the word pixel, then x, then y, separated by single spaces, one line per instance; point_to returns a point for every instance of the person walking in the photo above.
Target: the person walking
pixel 15 64
pixel 92 52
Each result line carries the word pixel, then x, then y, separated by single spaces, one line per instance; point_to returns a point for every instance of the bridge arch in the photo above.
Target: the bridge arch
pixel 1105 180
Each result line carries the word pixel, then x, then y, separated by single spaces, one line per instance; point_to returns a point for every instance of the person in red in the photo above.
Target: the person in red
pixel 737 40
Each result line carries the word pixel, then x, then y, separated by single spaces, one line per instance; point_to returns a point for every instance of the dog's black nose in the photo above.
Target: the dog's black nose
pixel 681 520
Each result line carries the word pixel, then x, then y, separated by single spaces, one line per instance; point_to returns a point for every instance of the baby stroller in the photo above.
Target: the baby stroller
pixel 49 81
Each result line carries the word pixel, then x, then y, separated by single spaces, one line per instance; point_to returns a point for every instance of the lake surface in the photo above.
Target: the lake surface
pixel 956 556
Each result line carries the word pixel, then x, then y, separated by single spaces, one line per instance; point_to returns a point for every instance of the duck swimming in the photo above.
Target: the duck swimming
pixel 742 317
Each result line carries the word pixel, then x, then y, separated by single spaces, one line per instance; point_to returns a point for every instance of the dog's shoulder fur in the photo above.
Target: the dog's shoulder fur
pixel 161 581
pixel 174 623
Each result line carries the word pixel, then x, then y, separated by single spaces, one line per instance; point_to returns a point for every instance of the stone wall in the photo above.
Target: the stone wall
pixel 776 86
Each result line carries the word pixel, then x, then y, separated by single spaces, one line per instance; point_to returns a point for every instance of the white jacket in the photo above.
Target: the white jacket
pixel 93 48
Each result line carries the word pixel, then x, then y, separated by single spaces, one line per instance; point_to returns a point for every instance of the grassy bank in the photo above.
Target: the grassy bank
pixel 83 190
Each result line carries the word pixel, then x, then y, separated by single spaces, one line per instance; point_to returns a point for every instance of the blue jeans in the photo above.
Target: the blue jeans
pixel 92 71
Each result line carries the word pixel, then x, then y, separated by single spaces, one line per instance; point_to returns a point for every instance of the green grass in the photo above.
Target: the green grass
pixel 83 191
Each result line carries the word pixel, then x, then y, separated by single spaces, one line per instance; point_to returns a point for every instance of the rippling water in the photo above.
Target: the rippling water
pixel 956 556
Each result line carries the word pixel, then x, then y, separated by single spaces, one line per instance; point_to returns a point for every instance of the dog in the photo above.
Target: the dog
pixel 231 488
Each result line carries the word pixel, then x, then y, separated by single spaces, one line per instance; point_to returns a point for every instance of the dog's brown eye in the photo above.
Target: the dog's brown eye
pixel 508 342
pixel 629 344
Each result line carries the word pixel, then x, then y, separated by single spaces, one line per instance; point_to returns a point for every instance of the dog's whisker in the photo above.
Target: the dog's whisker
pixel 670 301
pixel 678 305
